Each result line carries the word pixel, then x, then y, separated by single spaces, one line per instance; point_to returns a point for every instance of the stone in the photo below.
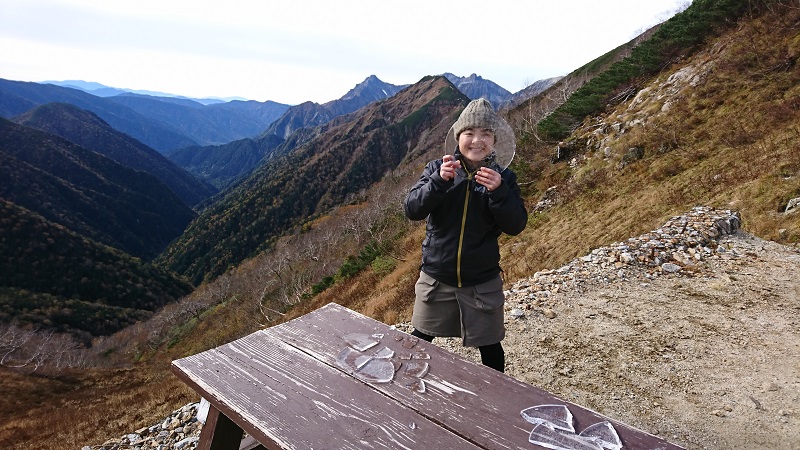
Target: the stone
pixel 185 442
pixel 792 206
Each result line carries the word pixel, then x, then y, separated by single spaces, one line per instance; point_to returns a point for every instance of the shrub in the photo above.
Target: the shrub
pixel 675 38
pixel 383 265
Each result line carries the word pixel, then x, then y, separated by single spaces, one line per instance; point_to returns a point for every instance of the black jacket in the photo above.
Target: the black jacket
pixel 460 247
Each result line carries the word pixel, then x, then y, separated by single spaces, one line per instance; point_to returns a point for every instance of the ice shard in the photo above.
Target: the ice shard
pixel 558 416
pixel 376 371
pixel 360 342
pixel 416 369
pixel 384 353
pixel 548 436
pixel 604 434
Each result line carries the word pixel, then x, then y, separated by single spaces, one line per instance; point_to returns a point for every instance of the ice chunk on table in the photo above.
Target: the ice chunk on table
pixel 558 416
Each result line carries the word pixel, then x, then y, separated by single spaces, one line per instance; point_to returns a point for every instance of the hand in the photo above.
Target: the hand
pixel 489 178
pixel 449 167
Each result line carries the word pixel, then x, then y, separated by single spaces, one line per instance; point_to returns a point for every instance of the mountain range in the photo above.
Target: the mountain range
pixel 74 230
pixel 81 164
pixel 102 90
pixel 70 165
pixel 66 167
pixel 91 132
pixel 162 123
pixel 87 192
pixel 221 165
pixel 342 158
pixel 55 278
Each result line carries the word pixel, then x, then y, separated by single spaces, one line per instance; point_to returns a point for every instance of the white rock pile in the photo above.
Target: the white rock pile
pixel 680 246
pixel 178 431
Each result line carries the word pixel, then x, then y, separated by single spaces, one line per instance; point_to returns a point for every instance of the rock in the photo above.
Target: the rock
pixel 517 313
pixel 792 206
pixel 185 442
pixel 633 154
pixel 549 313
pixel 626 258
pixel 670 268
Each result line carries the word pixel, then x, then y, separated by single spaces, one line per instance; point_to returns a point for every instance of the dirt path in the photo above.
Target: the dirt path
pixel 708 359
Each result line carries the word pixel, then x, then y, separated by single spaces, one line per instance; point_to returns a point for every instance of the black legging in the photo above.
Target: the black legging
pixel 492 355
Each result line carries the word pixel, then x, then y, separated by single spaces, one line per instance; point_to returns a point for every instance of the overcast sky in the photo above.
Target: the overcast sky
pixel 298 50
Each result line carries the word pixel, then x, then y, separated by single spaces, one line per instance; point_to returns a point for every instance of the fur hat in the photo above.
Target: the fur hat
pixel 480 114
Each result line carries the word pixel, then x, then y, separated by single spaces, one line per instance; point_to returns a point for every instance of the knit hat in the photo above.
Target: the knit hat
pixel 480 114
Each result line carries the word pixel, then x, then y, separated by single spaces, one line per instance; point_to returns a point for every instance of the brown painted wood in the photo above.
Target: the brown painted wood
pixel 285 398
pixel 283 386
pixel 474 401
pixel 219 432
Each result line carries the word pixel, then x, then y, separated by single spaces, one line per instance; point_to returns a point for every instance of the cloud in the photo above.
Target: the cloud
pixel 307 49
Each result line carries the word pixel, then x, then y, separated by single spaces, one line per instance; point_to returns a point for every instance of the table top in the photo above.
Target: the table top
pixel 336 379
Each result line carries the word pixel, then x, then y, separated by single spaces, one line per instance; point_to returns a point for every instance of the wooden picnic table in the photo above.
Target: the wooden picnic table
pixel 311 383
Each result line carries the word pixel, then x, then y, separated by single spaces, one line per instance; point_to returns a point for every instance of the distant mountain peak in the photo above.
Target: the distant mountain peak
pixel 371 86
pixel 310 114
pixel 475 86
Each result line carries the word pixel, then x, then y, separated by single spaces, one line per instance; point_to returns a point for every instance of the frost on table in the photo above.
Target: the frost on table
pixel 381 366
pixel 554 429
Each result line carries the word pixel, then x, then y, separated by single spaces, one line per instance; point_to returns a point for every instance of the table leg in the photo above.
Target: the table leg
pixel 219 432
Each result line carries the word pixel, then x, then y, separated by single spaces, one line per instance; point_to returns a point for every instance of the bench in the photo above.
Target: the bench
pixel 336 379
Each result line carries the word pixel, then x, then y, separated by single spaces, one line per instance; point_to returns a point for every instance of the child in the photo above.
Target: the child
pixel 468 198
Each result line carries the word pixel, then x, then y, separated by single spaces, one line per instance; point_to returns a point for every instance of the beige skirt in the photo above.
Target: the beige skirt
pixel 474 313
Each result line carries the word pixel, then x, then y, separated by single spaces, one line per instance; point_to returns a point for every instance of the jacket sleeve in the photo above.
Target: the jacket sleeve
pixel 507 205
pixel 427 193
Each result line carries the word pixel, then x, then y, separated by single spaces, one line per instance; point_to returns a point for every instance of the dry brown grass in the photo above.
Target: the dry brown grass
pixel 85 408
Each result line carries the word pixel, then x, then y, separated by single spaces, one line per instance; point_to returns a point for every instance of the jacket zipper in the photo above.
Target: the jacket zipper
pixel 463 226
